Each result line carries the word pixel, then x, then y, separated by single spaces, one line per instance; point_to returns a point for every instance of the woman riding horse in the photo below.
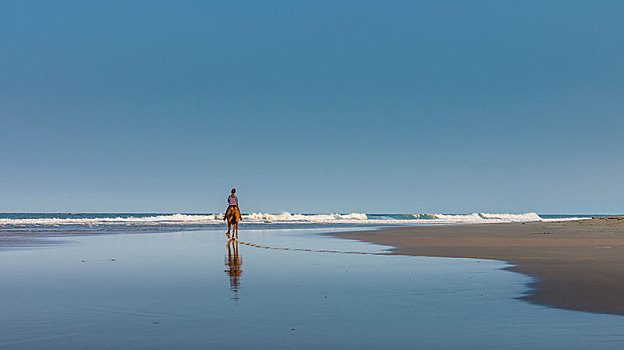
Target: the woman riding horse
pixel 232 214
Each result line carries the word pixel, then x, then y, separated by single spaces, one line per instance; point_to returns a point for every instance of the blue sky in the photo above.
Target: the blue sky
pixel 440 106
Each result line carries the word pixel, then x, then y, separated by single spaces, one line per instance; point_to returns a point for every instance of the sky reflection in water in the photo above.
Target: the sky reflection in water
pixel 194 290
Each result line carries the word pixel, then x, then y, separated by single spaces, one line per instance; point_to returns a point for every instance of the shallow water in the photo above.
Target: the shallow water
pixel 187 290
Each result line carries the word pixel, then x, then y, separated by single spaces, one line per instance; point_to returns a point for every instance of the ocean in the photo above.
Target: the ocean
pixel 29 223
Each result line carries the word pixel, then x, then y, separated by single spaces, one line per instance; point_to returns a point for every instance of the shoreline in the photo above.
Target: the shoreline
pixel 577 265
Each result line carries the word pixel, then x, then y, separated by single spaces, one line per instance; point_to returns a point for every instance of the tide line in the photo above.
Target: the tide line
pixel 307 250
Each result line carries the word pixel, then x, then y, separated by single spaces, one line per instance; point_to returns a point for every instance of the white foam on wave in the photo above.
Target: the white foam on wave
pixel 172 219
pixel 487 217
pixel 283 218
pixel 311 218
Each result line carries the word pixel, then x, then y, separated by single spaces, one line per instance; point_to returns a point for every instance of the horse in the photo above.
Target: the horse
pixel 233 217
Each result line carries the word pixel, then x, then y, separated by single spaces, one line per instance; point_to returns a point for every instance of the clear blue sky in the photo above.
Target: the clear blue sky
pixel 316 106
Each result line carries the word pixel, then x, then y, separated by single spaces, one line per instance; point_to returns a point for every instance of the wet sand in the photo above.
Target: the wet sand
pixel 13 242
pixel 577 265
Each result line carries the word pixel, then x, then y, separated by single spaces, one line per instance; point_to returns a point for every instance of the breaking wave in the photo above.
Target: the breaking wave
pixel 90 220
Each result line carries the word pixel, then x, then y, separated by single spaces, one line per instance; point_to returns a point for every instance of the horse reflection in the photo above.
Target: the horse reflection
pixel 233 261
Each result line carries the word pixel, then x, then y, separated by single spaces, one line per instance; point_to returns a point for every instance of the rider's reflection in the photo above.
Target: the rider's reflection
pixel 233 261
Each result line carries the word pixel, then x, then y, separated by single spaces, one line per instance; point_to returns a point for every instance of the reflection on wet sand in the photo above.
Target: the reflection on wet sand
pixel 233 261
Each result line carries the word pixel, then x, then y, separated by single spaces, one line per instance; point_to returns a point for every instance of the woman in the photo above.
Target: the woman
pixel 232 209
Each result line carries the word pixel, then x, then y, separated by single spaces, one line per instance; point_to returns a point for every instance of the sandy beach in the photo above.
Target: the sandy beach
pixel 577 265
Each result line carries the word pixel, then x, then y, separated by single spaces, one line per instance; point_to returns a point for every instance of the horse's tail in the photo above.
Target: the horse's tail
pixel 232 218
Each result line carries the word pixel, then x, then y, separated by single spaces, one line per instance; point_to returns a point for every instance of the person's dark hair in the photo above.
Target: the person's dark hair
pixel 233 190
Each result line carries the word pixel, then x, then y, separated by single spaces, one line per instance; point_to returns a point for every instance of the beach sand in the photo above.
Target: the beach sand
pixel 577 265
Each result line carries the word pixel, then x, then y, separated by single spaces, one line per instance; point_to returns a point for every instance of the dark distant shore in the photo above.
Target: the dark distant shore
pixel 578 265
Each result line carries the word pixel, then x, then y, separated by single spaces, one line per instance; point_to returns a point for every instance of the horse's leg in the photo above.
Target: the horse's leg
pixel 229 225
